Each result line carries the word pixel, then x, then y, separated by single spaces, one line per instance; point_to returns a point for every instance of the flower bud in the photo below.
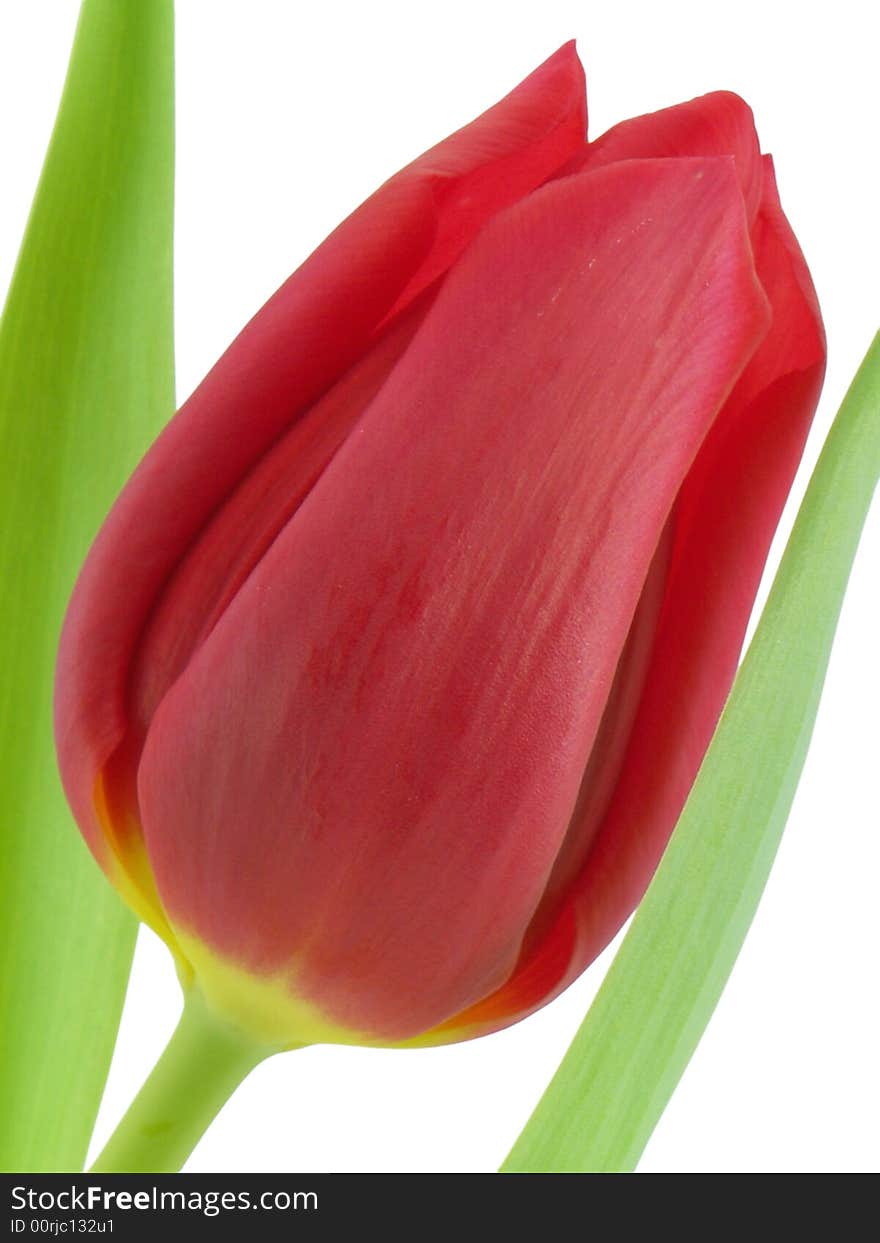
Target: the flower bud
pixel 387 677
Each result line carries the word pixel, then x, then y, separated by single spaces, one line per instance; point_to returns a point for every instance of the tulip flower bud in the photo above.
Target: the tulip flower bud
pixel 387 677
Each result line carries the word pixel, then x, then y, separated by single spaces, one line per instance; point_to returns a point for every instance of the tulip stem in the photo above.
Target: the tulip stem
pixel 204 1062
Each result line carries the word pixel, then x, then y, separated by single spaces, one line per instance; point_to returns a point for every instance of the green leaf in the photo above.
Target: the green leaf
pixel 86 379
pixel 631 1050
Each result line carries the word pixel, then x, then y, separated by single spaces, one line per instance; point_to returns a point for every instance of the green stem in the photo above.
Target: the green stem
pixel 203 1064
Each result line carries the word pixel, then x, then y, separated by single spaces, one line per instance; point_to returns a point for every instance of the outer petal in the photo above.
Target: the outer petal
pixel 725 520
pixel 360 783
pixel 320 321
pixel 235 539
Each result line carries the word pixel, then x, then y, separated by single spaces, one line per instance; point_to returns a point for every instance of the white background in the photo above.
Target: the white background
pixel 288 115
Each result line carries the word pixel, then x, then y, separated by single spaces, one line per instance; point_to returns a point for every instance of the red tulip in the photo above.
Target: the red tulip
pixel 388 675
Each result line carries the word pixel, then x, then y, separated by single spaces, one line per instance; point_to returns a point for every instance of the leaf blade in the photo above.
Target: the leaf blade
pixel 610 1090
pixel 86 379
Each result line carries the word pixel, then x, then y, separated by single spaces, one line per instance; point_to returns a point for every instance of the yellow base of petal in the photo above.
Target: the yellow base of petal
pixel 266 1008
pixel 263 1006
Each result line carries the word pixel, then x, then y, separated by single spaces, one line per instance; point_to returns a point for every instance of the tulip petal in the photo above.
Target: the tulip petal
pixel 725 520
pixel 318 323
pixel 720 123
pixel 363 776
pixel 241 531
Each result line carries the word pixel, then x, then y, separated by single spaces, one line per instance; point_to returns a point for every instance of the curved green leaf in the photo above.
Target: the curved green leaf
pixel 86 378
pixel 623 1065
